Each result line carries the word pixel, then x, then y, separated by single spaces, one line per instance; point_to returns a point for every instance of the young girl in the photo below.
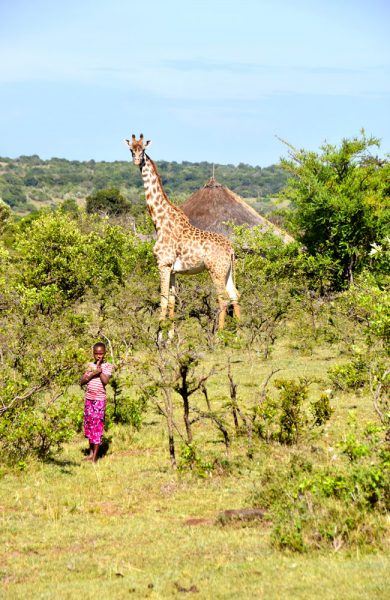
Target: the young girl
pixel 96 377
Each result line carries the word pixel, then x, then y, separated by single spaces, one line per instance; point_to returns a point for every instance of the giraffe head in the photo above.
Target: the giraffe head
pixel 137 148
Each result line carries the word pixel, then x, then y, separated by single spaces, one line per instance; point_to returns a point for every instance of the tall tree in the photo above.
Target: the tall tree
pixel 109 201
pixel 340 201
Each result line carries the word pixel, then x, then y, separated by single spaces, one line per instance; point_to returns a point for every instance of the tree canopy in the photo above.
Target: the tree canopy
pixel 109 201
pixel 27 182
pixel 339 202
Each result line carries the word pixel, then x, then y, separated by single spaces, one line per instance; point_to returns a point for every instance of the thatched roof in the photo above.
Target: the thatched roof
pixel 214 204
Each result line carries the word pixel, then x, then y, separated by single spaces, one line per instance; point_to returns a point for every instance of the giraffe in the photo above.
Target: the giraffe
pixel 181 247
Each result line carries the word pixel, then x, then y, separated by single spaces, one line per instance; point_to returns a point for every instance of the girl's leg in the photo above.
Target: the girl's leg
pixel 88 426
pixel 96 427
pixel 95 452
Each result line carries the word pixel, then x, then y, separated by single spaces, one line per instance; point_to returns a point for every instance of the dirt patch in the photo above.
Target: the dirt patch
pixel 168 488
pixel 180 588
pixel 134 452
pixel 107 508
pixel 235 515
pixel 198 521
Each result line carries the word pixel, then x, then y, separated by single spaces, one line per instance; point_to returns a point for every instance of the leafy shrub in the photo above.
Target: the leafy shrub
pixel 285 419
pixel 352 448
pixel 124 408
pixel 321 409
pixel 264 419
pixel 14 196
pixel 326 507
pixel 190 458
pixel 109 201
pixel 292 419
pixel 5 215
pixel 350 376
pixel 288 533
pixel 341 203
pixel 37 430
pixel 54 255
pixel 268 279
pixel 380 261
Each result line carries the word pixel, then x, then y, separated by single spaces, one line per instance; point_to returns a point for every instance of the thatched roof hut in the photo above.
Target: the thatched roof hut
pixel 214 204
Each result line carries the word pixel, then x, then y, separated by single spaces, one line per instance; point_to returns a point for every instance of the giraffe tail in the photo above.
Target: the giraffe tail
pixel 234 272
pixel 231 283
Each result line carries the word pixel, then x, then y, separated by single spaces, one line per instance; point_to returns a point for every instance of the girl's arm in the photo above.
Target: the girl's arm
pixel 104 379
pixel 90 375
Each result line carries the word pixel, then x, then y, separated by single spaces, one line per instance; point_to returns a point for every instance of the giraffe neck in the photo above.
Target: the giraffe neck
pixel 159 206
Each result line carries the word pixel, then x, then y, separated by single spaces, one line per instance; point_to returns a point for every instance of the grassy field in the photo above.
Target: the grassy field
pixel 130 527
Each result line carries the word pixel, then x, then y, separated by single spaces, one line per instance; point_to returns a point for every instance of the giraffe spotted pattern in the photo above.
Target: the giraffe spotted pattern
pixel 181 247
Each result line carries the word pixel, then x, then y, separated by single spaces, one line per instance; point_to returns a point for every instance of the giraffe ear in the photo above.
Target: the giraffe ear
pixel 127 142
pixel 147 143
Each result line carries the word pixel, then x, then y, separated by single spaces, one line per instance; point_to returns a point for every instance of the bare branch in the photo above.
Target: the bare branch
pixel 110 346
pixel 265 384
pixel 44 383
pixel 25 396
pixel 377 394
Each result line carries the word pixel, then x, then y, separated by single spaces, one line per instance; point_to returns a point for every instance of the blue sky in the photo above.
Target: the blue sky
pixel 205 80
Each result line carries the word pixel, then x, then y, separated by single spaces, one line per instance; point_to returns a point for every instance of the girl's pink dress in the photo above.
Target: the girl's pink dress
pixel 95 406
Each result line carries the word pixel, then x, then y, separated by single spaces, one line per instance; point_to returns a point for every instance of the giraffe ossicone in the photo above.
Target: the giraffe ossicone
pixel 181 247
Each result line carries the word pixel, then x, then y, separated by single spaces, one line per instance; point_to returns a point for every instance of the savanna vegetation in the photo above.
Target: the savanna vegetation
pixel 248 463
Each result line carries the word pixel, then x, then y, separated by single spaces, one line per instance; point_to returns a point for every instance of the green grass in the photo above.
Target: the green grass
pixel 123 529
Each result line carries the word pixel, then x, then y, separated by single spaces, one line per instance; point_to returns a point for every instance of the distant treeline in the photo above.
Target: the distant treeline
pixel 28 182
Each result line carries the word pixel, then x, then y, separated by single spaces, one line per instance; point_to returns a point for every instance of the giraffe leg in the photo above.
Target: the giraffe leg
pixel 219 285
pixel 237 310
pixel 165 273
pixel 222 312
pixel 171 296
pixel 226 289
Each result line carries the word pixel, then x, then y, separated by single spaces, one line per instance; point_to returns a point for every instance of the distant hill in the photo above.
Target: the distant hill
pixel 28 183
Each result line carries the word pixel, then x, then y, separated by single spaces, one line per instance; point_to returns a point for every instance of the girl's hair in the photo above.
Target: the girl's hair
pixel 99 345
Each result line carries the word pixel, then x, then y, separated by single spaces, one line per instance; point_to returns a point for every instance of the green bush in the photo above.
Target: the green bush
pixel 265 418
pixel 287 419
pixel 36 430
pixel 321 409
pixel 191 459
pixel 326 507
pixel 109 201
pixel 340 199
pixel 292 419
pixel 350 376
pixel 125 409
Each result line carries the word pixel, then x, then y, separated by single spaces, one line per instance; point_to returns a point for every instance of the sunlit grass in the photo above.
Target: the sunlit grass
pixel 132 527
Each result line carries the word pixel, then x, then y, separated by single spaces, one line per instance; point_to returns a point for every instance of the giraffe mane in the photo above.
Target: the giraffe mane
pixel 177 208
